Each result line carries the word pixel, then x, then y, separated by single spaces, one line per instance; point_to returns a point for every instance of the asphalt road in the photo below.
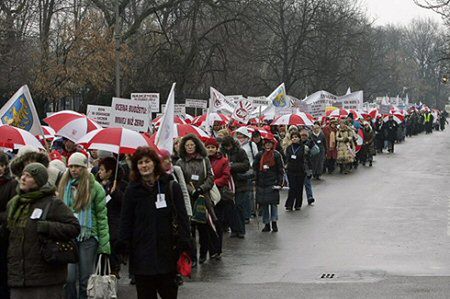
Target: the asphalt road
pixel 380 232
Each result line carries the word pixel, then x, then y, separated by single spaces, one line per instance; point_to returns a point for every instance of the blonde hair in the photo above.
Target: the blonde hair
pixel 83 197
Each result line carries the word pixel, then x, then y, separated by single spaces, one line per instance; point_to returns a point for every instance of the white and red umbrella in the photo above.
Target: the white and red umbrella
pixel 374 113
pixel 200 120
pixel 356 114
pixel 15 138
pixel 71 125
pixel 398 118
pixel 188 118
pixel 264 133
pixel 49 133
pixel 177 119
pixel 297 119
pixel 359 140
pixel 340 113
pixel 115 140
pixel 183 130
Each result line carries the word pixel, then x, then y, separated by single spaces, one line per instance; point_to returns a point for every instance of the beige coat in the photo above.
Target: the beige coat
pixel 345 146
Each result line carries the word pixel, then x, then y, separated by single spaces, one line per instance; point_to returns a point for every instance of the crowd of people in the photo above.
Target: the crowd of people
pixel 150 207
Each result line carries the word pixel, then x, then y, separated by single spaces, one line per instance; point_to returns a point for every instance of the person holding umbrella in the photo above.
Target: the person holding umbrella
pixel 268 167
pixel 86 198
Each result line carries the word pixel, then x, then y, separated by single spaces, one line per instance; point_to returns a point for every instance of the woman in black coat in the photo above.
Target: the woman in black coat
pixel 268 167
pixel 114 196
pixel 154 225
pixel 295 168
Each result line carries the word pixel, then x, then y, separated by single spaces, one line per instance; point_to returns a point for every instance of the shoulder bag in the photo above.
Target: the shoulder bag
pixel 57 252
pixel 214 193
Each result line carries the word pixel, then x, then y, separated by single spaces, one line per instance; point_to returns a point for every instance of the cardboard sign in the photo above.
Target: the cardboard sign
pixel 130 114
pixel 192 103
pixel 100 114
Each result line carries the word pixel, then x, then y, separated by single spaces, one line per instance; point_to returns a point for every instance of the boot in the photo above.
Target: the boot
pixel 274 226
pixel 266 228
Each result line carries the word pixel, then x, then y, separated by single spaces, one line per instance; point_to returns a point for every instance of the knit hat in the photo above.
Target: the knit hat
pixel 78 159
pixel 26 149
pixel 38 172
pixel 211 141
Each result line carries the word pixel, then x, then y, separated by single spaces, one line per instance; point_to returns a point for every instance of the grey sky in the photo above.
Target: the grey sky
pixel 396 12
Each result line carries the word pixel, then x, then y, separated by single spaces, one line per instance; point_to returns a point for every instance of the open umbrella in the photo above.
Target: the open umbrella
pixel 177 119
pixel 49 133
pixel 398 118
pixel 115 140
pixel 297 119
pixel 200 120
pixel 15 138
pixel 71 125
pixel 188 118
pixel 183 130
pixel 340 113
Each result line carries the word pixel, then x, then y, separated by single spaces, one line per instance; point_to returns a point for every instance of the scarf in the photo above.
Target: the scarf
pixel 268 158
pixel 84 216
pixel 19 206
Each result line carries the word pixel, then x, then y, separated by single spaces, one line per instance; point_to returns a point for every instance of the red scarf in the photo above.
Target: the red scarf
pixel 268 158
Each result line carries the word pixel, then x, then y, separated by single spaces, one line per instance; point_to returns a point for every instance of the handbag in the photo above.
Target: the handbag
pixel 248 175
pixel 199 210
pixel 102 286
pixel 315 150
pixel 214 193
pixel 57 252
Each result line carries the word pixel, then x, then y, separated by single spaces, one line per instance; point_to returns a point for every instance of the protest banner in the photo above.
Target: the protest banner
pixel 100 114
pixel 152 98
pixel 130 114
pixel 193 103
pixel 180 109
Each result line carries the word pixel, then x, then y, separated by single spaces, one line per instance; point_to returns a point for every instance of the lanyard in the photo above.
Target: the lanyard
pixel 295 151
pixel 159 188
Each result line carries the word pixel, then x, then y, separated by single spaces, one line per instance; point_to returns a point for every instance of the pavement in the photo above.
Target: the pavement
pixel 379 232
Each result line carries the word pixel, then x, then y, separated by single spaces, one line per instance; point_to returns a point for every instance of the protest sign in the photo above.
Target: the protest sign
pixel 152 98
pixel 130 114
pixel 100 114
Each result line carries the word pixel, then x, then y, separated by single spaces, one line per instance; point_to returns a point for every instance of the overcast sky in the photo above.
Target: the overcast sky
pixel 397 12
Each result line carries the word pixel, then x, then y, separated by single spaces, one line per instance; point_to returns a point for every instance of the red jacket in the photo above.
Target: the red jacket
pixel 221 168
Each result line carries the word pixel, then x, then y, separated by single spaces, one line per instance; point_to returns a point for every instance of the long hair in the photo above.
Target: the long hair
pixel 83 196
pixel 141 152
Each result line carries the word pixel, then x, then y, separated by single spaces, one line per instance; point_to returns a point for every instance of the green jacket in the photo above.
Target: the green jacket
pixel 100 227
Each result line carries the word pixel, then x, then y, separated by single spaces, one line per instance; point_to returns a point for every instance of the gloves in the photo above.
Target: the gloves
pixel 197 193
pixel 43 227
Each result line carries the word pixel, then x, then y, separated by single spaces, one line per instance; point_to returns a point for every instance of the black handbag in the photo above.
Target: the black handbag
pixel 226 194
pixel 57 252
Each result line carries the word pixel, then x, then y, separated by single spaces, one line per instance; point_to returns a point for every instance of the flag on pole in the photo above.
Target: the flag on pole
pixel 242 111
pixel 407 100
pixel 349 91
pixel 165 134
pixel 218 102
pixel 278 97
pixel 20 112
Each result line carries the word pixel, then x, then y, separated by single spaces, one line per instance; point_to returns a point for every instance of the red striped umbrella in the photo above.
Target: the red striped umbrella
pixel 200 120
pixel 71 125
pixel 340 113
pixel 115 140
pixel 177 119
pixel 398 118
pixel 296 119
pixel 15 138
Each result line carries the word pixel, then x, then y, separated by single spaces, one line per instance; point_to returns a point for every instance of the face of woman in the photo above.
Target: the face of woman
pixel 268 146
pixel 212 150
pixel 75 171
pixel 27 182
pixel 146 166
pixel 190 147
pixel 103 173
pixel 316 129
pixel 166 164
pixel 295 139
pixel 177 146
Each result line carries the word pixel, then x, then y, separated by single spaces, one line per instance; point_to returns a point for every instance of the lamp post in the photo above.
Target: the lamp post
pixel 117 37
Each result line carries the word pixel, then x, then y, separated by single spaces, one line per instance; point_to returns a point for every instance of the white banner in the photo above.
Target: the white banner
pixel 100 114
pixel 259 101
pixel 180 109
pixel 242 111
pixel 130 114
pixel 20 112
pixel 193 103
pixel 353 100
pixel 152 98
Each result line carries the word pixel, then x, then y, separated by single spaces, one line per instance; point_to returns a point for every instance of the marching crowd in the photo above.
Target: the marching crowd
pixel 149 208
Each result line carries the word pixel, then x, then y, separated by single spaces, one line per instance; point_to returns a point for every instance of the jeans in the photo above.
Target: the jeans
pixel 308 188
pixel 239 218
pixel 248 207
pixel 295 195
pixel 273 216
pixel 148 286
pixel 87 251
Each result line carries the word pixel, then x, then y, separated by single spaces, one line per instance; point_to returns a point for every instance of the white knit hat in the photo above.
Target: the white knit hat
pixel 78 159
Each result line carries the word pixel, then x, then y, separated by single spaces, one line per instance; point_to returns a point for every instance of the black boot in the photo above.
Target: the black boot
pixel 266 228
pixel 274 226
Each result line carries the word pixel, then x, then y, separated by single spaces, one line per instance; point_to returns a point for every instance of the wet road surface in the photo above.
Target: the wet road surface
pixel 380 232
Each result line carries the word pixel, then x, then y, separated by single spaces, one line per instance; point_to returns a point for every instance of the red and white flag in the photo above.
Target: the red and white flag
pixel 242 111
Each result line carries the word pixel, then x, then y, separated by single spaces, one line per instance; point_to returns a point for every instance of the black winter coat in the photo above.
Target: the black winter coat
pixel 295 166
pixel 239 165
pixel 147 231
pixel 265 180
